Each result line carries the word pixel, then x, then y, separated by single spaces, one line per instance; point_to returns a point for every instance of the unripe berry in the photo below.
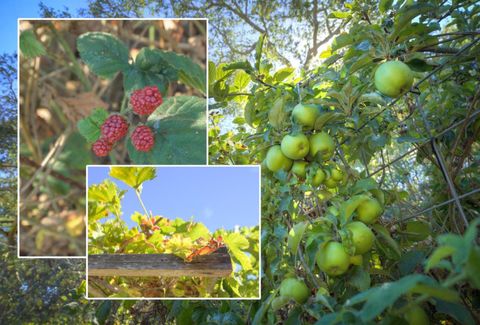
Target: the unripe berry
pixel 114 128
pixel 101 147
pixel 145 101
pixel 143 138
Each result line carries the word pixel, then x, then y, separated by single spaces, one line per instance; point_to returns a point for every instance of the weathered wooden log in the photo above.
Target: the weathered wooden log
pixel 217 264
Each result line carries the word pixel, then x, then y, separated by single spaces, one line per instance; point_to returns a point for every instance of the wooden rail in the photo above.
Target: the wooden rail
pixel 217 264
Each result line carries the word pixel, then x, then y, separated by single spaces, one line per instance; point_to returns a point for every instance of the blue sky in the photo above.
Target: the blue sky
pixel 11 10
pixel 217 196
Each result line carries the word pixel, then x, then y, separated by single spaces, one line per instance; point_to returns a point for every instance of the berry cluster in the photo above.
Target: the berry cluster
pixel 112 130
pixel 144 102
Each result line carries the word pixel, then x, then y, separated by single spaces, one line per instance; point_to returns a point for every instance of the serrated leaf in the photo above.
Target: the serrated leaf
pixel 236 243
pixel 133 176
pixel 104 54
pixel 135 78
pixel 283 73
pixel 30 47
pixel 190 73
pixel 89 127
pixel 180 133
pixel 106 195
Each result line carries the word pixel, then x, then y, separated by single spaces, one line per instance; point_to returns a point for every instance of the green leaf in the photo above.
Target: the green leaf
pixel 283 73
pixel 384 5
pixel 437 291
pixel 407 13
pixel 456 311
pixel 133 176
pixel 327 117
pixel 103 311
pixel 438 254
pixel 360 62
pixel 30 47
pixel 472 268
pixel 377 299
pixel 198 230
pixel 360 279
pixel 259 50
pixel 385 235
pixel 342 40
pixel 104 54
pixel 295 236
pixel 277 114
pixel 264 307
pixel 180 133
pixel 190 73
pixel 104 195
pixel 239 65
pixel 89 127
pixel 236 243
pixel 135 78
pixel 340 14
pixel 241 80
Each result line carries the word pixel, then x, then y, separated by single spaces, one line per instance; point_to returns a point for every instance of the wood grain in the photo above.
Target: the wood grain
pixel 217 264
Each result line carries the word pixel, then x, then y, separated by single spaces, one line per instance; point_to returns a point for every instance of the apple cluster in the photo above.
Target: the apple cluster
pixel 297 151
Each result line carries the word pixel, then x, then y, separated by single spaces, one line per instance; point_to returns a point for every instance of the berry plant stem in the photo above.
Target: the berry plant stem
pixel 137 191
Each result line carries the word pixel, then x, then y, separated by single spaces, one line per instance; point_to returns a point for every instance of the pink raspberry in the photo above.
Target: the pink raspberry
pixel 101 147
pixel 145 101
pixel 114 128
pixel 143 138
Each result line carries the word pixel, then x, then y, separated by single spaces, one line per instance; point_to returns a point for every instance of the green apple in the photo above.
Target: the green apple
pixel 322 143
pixel 393 78
pixel 276 160
pixel 369 211
pixel 295 146
pixel 294 288
pixel 362 236
pixel 330 183
pixel 333 259
pixel 305 115
pixel 299 168
pixel 417 316
pixel 336 174
pixel 318 178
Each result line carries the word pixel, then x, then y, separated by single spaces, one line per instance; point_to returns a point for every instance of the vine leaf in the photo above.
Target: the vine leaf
pixel 133 176
pixel 236 243
pixel 104 54
pixel 103 199
pixel 180 133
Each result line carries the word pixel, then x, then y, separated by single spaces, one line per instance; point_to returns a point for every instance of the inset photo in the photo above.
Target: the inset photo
pixel 173 232
pixel 107 92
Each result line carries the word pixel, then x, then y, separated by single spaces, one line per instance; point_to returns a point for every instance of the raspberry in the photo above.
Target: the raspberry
pixel 101 147
pixel 114 128
pixel 145 101
pixel 142 138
